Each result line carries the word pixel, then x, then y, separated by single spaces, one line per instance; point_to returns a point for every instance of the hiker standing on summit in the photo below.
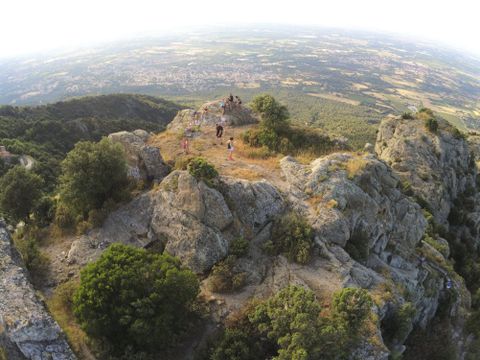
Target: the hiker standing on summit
pixel 219 133
pixel 230 149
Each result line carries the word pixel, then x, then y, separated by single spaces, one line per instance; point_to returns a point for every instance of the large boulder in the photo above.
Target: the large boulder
pixel 236 116
pixel 186 218
pixel 144 161
pixel 27 331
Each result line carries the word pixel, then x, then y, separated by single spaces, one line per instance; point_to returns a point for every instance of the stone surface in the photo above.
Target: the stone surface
pixel 185 119
pixel 438 166
pixel 144 161
pixel 187 218
pixel 27 331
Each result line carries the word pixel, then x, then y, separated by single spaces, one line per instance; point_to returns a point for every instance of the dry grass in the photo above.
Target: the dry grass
pixel 60 306
pixel 354 166
pixel 332 204
pixel 245 166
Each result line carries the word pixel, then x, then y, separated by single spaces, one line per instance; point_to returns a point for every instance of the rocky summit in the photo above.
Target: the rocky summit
pixel 370 212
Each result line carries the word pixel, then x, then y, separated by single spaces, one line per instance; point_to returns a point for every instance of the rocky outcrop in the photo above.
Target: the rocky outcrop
pixel 438 167
pixel 366 223
pixel 188 219
pixel 27 331
pixel 144 161
pixel 235 116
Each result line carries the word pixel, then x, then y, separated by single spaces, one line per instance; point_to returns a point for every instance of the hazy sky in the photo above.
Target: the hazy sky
pixel 36 25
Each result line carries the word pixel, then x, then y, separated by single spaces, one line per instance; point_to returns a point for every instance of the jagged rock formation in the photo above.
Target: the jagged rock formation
pixel 369 227
pixel 438 166
pixel 237 116
pixel 187 218
pixel 27 331
pixel 144 161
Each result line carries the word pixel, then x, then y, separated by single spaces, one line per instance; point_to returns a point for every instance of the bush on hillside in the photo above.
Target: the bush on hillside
pixel 93 173
pixel 277 135
pixel 408 116
pixel 131 297
pixel 292 237
pixel 291 325
pixel 431 124
pixel 201 169
pixel 224 278
pixel 274 116
pixel 352 306
pixel 290 320
pixel 20 191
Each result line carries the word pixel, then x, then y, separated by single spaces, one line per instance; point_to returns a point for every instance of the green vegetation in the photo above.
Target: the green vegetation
pixel 431 124
pixel 292 237
pixel 277 134
pixel 130 297
pixel 225 278
pixel 48 132
pixel 92 174
pixel 396 327
pixel 201 169
pixel 26 240
pixel 291 325
pixel 20 191
pixel 239 247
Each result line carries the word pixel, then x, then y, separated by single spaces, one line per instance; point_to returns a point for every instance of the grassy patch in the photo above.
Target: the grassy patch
pixel 60 306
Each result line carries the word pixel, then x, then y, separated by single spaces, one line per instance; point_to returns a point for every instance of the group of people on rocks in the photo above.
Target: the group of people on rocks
pixel 198 118
pixel 230 102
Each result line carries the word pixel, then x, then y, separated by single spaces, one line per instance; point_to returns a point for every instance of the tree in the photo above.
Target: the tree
pixel 352 306
pixel 236 344
pixel 293 237
pixel 132 297
pixel 291 320
pixel 274 115
pixel 93 173
pixel 20 190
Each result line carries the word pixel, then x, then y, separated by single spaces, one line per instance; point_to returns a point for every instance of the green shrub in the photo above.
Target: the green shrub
pixel 274 116
pixel 290 320
pixel 224 278
pixel 235 344
pixel 290 325
pixel 26 242
pixel 293 237
pixel 201 169
pixel 407 116
pixel 352 307
pixel 44 212
pixel 131 297
pixel 64 217
pixel 396 327
pixel 20 191
pixel 239 247
pixel 431 124
pixel 93 173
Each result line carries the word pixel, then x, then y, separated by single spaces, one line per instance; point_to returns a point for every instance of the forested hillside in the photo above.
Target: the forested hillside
pixel 48 132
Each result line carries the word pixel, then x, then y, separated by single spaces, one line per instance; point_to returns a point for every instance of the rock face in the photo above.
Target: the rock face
pixel 369 227
pixel 27 331
pixel 355 204
pixel 144 161
pixel 188 219
pixel 237 116
pixel 438 166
